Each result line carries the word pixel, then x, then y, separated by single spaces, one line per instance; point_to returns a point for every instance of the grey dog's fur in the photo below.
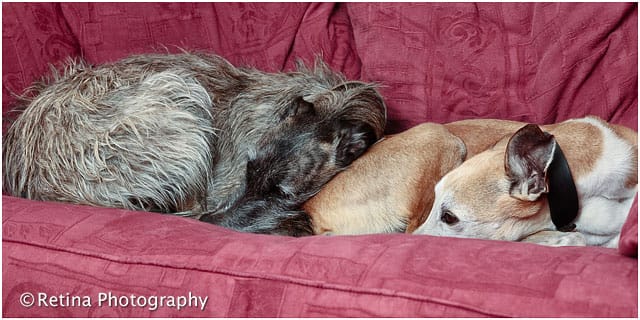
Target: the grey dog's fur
pixel 193 135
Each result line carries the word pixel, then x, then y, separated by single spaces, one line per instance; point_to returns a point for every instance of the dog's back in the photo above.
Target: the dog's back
pixel 481 134
pixel 99 136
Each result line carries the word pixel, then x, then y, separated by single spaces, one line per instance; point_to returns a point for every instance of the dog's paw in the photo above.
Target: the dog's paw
pixel 264 217
pixel 211 218
pixel 557 238
pixel 296 225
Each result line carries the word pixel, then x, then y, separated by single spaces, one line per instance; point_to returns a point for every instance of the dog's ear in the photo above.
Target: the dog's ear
pixel 300 107
pixel 363 104
pixel 354 139
pixel 527 158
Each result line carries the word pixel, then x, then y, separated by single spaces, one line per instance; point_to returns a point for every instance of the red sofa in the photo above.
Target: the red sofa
pixel 541 63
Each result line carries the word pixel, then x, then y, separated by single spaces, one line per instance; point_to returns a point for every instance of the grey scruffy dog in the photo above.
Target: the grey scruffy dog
pixel 193 135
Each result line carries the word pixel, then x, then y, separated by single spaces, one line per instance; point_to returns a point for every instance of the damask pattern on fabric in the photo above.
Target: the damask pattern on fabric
pixel 88 250
pixel 536 62
pixel 541 63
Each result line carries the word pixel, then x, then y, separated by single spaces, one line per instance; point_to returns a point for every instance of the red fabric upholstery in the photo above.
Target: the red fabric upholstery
pixel 542 62
pixel 60 248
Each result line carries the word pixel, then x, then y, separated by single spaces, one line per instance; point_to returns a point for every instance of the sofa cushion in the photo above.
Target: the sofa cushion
pixel 532 62
pixel 62 249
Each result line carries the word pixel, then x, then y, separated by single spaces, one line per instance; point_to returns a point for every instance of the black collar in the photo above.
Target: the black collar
pixel 562 197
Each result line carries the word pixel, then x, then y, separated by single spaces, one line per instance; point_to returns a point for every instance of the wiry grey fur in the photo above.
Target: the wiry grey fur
pixel 193 135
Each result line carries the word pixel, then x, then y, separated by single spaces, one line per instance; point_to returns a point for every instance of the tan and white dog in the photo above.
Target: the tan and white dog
pixel 504 193
pixel 390 188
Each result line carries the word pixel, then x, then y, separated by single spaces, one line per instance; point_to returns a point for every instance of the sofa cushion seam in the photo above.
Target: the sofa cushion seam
pixel 270 277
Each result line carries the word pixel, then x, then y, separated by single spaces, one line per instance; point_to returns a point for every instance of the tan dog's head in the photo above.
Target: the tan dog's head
pixel 497 194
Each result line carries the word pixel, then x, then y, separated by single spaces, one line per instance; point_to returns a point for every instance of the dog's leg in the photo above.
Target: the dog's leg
pixel 604 229
pixel 270 204
pixel 261 216
pixel 557 238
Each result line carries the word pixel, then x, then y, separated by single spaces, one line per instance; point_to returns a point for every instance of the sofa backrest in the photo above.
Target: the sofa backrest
pixel 534 62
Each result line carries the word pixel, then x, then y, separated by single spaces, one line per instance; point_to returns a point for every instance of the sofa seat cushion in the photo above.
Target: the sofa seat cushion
pixel 59 249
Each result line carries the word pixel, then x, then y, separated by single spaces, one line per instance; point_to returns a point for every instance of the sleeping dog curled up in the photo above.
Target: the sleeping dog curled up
pixel 390 187
pixel 190 134
pixel 570 183
pixel 483 197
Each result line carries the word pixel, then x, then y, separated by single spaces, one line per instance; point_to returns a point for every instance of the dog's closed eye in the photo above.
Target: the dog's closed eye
pixel 448 217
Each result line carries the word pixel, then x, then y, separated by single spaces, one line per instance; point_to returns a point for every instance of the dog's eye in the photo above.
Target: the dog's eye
pixel 448 217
